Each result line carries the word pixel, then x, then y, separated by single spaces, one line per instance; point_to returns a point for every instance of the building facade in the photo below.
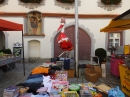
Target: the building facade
pixel 42 45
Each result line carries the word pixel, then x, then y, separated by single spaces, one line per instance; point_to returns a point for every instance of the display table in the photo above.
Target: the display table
pixel 114 66
pixel 9 60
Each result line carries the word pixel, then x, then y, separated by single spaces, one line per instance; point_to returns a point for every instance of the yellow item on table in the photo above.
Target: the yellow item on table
pixel 127 49
pixel 125 79
pixel 22 90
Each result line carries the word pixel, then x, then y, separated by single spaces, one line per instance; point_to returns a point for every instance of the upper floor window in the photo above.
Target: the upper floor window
pixel 115 39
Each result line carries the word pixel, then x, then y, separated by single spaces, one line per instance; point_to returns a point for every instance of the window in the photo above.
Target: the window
pixel 115 39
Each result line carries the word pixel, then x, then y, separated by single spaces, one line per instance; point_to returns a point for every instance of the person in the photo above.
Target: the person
pixel 34 23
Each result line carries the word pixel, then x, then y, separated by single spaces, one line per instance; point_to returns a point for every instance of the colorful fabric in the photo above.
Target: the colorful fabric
pixel 63 40
pixel 40 70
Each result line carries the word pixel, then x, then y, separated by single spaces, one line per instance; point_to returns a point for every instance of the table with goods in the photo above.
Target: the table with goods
pixel 49 80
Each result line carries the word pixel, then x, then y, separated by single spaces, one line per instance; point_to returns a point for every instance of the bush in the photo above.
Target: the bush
pixel 101 54
pixel 6 51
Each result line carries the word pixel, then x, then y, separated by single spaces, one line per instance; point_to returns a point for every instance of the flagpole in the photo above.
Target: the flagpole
pixel 76 37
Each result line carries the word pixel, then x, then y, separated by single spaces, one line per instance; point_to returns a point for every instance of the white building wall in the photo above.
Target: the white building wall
pixel 86 7
pixel 50 25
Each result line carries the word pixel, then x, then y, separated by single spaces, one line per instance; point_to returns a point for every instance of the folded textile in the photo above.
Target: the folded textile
pixel 33 86
pixel 34 76
pixel 43 94
pixel 42 89
pixel 26 95
pixel 40 70
pixel 34 80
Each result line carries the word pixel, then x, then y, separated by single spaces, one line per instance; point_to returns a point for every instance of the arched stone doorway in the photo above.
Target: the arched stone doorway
pixel 34 50
pixel 84 43
pixel 2 40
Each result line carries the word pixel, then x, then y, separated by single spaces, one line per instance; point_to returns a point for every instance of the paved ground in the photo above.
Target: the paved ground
pixel 16 76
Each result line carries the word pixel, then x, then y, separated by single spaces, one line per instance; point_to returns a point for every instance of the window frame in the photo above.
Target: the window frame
pixel 121 38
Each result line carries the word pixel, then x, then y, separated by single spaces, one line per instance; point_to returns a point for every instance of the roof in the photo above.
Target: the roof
pixel 10 26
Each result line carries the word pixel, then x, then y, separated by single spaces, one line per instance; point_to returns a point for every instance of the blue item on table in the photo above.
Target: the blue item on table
pixel 115 92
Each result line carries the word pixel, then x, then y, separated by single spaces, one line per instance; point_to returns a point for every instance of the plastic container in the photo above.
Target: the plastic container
pixel 85 93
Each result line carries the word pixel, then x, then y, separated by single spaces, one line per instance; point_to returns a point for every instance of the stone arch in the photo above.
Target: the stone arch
pixel 82 27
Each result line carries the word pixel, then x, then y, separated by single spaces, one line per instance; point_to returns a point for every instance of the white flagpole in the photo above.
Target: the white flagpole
pixel 76 36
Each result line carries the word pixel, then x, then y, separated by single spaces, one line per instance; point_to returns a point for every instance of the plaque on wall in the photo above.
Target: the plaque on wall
pixel 34 24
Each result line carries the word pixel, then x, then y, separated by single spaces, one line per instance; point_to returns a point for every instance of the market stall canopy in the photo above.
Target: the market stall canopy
pixel 10 26
pixel 121 22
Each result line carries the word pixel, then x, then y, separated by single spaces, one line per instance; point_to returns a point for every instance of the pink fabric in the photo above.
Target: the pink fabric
pixel 26 95
pixel 42 89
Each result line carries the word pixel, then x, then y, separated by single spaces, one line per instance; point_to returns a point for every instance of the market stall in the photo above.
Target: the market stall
pixel 48 80
pixel 11 26
pixel 122 22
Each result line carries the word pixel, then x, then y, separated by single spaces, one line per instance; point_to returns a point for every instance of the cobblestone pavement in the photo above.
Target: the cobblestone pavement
pixel 16 76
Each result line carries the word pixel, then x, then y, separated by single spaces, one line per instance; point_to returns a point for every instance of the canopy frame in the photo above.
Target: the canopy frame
pixel 12 26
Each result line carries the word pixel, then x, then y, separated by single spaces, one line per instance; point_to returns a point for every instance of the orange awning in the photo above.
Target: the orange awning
pixel 121 22
pixel 10 26
pixel 117 25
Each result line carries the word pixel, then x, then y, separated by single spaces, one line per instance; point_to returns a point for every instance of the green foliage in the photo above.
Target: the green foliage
pixel 101 53
pixel 1 1
pixel 31 1
pixel 66 1
pixel 1 53
pixel 110 2
pixel 6 51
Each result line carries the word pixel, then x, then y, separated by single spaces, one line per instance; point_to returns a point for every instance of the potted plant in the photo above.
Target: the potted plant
pixel 111 2
pixel 1 1
pixel 5 67
pixel 101 54
pixel 31 1
pixel 66 1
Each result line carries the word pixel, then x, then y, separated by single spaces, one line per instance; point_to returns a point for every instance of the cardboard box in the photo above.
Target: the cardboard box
pixel 91 75
pixel 98 70
pixel 70 73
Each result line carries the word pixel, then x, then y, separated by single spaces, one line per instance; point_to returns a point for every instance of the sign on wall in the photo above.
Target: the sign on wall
pixel 17 49
pixel 34 24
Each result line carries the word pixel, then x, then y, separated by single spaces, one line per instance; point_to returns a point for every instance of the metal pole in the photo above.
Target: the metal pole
pixel 23 53
pixel 76 36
